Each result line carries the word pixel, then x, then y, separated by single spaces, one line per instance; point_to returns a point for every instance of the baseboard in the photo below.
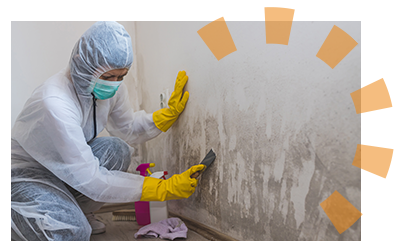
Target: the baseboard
pixel 205 231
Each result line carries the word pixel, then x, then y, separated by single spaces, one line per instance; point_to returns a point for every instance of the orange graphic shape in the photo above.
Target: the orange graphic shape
pixel 217 37
pixel 278 14
pixel 373 159
pixel 336 46
pixel 340 211
pixel 278 23
pixel 371 97
pixel 222 18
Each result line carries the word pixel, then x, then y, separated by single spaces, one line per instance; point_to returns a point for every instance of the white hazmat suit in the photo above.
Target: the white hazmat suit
pixel 51 136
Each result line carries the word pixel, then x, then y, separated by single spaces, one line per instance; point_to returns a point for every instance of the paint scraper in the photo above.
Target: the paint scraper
pixel 208 160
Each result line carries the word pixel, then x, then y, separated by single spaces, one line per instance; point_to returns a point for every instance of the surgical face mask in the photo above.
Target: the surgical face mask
pixel 105 89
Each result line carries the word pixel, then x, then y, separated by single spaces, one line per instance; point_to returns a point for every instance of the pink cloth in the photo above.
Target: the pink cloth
pixel 170 229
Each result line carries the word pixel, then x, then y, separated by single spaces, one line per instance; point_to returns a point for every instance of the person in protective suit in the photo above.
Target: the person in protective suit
pixel 60 171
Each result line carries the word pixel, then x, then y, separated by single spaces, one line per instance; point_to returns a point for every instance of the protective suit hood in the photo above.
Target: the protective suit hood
pixel 103 47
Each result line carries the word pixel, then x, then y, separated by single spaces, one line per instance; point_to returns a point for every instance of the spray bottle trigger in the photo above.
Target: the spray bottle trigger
pixel 150 166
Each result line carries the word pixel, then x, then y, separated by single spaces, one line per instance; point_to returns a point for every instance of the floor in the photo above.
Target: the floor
pixel 125 230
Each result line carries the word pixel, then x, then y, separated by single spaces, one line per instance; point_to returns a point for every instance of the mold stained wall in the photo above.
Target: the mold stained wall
pixel 281 121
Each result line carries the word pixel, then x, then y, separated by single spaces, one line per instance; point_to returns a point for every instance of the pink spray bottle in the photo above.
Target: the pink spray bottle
pixel 154 211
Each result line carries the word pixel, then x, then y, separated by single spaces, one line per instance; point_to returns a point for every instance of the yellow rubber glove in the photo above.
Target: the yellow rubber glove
pixel 164 118
pixel 178 186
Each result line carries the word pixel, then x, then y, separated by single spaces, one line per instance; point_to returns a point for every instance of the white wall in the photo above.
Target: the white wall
pixel 39 50
pixel 280 120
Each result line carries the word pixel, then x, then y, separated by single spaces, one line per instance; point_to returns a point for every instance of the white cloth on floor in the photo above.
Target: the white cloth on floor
pixel 170 229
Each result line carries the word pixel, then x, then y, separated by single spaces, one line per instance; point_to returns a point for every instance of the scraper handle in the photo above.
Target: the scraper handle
pixel 195 174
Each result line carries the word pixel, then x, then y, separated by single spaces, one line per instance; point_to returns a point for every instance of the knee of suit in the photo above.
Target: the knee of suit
pixel 113 153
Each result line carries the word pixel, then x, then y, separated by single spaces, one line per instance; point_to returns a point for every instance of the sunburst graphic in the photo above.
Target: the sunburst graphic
pixel 278 24
pixel 372 97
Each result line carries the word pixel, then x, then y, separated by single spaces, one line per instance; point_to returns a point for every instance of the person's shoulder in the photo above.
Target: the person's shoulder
pixel 58 93
pixel 57 86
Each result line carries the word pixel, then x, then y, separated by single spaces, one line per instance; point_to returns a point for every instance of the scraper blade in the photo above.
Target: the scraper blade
pixel 210 157
pixel 208 160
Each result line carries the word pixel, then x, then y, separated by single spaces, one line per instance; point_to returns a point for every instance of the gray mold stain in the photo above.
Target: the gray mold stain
pixel 261 183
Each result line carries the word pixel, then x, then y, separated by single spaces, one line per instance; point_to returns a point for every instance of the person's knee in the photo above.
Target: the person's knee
pixel 80 232
pixel 122 146
pixel 122 153
pixel 112 152
pixel 76 228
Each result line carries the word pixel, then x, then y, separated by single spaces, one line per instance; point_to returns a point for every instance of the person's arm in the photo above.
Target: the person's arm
pixel 132 127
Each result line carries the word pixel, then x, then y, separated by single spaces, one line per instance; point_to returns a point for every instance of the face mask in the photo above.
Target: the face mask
pixel 105 89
